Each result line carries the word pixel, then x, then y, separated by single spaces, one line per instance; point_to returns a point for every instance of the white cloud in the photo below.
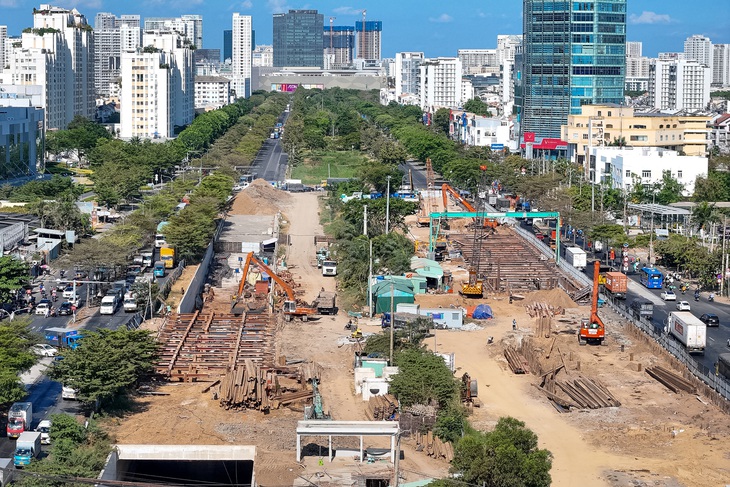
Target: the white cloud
pixel 443 18
pixel 278 6
pixel 247 5
pixel 347 11
pixel 648 17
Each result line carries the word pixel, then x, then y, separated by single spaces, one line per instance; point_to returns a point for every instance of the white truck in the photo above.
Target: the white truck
pixel 27 448
pixel 329 268
pixel 689 330
pixel 108 305
pixel 576 257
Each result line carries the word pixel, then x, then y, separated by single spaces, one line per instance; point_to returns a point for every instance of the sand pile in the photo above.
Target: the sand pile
pixel 554 297
pixel 260 198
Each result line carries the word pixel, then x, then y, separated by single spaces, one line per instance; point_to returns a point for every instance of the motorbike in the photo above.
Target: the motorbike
pixel 711 298
pixel 697 297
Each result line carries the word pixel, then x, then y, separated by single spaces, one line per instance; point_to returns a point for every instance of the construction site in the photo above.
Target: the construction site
pixel 268 356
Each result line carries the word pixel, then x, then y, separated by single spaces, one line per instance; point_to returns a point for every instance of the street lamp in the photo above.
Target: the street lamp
pixel 387 209
pixel 651 234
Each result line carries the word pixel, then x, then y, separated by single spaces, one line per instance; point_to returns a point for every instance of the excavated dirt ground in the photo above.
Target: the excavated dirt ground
pixel 656 438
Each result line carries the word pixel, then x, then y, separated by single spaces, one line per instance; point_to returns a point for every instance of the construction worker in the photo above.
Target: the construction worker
pixel 514 324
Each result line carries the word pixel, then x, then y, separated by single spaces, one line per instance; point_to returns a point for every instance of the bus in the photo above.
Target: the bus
pixel 651 278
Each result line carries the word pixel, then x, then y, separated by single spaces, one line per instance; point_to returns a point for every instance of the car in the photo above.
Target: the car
pixel 43 307
pixel 65 309
pixel 710 319
pixel 44 350
pixel 668 295
pixel 68 392
pixel 68 293
pixel 683 306
pixel 44 428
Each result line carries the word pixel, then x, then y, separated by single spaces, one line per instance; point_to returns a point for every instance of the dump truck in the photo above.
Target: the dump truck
pixel 167 255
pixel 576 257
pixel 616 284
pixel 326 303
pixel 20 417
pixel 688 330
pixel 27 448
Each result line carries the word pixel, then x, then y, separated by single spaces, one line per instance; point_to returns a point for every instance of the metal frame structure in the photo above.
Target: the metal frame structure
pixel 359 429
pixel 509 214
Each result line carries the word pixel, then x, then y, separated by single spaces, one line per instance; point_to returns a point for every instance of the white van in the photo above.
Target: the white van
pixel 130 303
pixel 108 305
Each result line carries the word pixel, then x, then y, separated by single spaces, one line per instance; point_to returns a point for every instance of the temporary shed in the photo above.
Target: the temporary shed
pixel 428 269
pixel 401 292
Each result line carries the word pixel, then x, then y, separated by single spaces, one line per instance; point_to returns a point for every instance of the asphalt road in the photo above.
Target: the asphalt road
pixel 418 172
pixel 271 161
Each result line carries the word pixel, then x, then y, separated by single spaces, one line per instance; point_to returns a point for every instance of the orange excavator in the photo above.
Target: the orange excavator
pixel 290 308
pixel 447 190
pixel 592 329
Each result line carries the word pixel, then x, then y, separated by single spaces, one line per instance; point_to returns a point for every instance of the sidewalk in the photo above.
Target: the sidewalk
pixel 36 372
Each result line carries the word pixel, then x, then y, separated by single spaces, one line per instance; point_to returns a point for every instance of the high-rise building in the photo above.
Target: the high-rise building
pixel 189 26
pixel 698 48
pixel 339 46
pixel 158 87
pixel 57 56
pixel 507 45
pixel 22 133
pixel 263 56
pixel 721 65
pixel 227 45
pixel 478 61
pixel 298 39
pixel 3 38
pixel 241 60
pixel 369 39
pixel 440 83
pixel 634 48
pixel 407 73
pixel 573 54
pixel 679 84
pixel 112 35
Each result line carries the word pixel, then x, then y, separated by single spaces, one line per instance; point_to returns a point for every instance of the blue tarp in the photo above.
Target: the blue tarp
pixel 482 312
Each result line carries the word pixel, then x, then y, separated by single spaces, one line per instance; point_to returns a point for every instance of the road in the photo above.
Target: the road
pixel 418 172
pixel 271 161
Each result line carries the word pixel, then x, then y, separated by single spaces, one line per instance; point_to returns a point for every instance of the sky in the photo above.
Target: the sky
pixel 435 27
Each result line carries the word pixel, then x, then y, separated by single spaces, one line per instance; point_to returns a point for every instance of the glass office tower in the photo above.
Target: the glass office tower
pixel 574 54
pixel 298 39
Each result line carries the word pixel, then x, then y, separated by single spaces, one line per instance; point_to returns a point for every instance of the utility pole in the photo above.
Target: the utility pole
pixel 392 318
pixel 387 209
pixel 370 283
pixel 365 220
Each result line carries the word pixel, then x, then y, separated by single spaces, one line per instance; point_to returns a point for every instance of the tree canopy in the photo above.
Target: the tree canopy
pixel 14 273
pixel 16 339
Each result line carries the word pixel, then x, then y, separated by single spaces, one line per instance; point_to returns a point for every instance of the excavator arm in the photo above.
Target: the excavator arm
pixel 445 188
pixel 595 319
pixel 246 265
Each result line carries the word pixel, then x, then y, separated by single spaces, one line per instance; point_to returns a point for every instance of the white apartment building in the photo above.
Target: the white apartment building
pixel 157 93
pixel 241 62
pixel 478 61
pixel 637 67
pixel 56 54
pixel 407 74
pixel 620 164
pixel 679 85
pixel 263 56
pixel 477 130
pixel 189 26
pixel 698 48
pixel 507 45
pixel 440 83
pixel 721 65
pixel 3 38
pixel 634 48
pixel 212 92
pixel 467 90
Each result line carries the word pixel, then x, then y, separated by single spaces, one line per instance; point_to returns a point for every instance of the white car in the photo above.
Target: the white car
pixel 43 308
pixel 44 428
pixel 683 306
pixel 68 393
pixel 68 293
pixel 668 295
pixel 44 350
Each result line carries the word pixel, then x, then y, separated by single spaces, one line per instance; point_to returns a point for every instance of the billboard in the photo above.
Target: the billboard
pixel 292 87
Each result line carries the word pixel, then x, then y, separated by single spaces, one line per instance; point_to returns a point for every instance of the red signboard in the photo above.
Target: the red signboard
pixel 529 136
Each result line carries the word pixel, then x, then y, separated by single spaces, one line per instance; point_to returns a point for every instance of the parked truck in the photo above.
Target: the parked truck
pixel 160 234
pixel 167 255
pixel 689 330
pixel 326 303
pixel 329 268
pixel 63 337
pixel 27 448
pixel 576 257
pixel 20 417
pixel 616 284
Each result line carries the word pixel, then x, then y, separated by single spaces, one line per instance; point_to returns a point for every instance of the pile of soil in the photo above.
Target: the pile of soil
pixel 260 198
pixel 554 297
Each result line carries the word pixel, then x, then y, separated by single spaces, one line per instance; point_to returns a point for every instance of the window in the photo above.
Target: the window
pixel 628 173
pixel 599 113
pixel 585 136
pixel 679 174
pixel 609 114
pixel 646 174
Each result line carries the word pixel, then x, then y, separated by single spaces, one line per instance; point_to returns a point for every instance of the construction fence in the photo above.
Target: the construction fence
pixel 191 300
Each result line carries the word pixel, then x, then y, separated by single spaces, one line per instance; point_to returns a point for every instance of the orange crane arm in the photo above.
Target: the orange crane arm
pixel 277 279
pixel 594 303
pixel 246 265
pixel 445 188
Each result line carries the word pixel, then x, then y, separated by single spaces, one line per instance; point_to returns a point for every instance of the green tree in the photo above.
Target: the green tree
pixel 81 136
pixel 507 456
pixel 16 339
pixel 422 377
pixel 669 190
pixel 106 363
pixel 477 106
pixel 377 173
pixel 610 234
pixel 441 120
pixel 14 273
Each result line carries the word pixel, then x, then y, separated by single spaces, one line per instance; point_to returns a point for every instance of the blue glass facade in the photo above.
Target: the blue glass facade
pixel 574 54
pixel 298 39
